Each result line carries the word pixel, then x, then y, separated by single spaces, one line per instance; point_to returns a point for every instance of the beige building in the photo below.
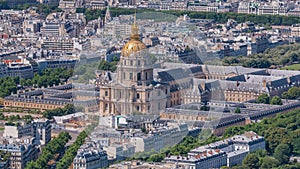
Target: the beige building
pixel 134 89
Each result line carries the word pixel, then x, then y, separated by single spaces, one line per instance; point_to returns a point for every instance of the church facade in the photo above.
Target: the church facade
pixel 134 90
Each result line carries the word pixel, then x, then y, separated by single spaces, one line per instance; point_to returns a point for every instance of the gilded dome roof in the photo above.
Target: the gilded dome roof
pixel 134 45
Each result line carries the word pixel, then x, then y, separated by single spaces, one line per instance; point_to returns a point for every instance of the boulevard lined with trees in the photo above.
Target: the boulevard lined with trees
pixel 71 152
pixel 55 146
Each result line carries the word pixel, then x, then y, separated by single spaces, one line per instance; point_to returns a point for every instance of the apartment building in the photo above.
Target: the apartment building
pixel 61 63
pixel 58 44
pixel 90 156
pixel 159 137
pixel 22 151
pixel 205 159
pixel 40 129
pixel 20 70
pixel 228 152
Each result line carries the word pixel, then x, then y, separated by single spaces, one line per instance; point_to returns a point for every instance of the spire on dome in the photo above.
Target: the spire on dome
pixel 134 29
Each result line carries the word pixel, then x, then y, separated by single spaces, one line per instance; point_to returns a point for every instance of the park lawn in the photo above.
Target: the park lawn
pixel 291 67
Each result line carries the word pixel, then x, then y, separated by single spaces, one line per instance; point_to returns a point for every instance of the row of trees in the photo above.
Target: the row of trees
pixel 48 77
pixel 55 146
pixel 68 109
pixel 218 17
pixel 14 118
pixel 41 8
pixel 266 99
pixel 281 55
pixel 257 19
pixel 71 152
pixel 292 93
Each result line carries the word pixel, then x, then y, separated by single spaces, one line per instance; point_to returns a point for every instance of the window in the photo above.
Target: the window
pixel 138 108
pixel 106 93
pixel 131 76
pixel 137 95
pixel 139 76
pixel 146 75
pixel 158 93
pixel 131 63
pixel 139 62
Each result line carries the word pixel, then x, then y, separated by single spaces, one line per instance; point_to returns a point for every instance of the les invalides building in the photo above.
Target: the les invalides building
pixel 134 90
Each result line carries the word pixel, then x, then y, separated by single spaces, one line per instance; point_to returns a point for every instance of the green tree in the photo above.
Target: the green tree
pixel 263 98
pixel 71 152
pixel 293 93
pixel 285 95
pixel 237 110
pixel 251 161
pixel 2 117
pixel 296 145
pixel 282 153
pixel 269 163
pixel 156 158
pixel 276 100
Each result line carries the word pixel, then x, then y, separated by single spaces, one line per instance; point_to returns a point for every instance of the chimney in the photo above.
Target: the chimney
pixel 264 83
pixel 202 85
pixel 289 80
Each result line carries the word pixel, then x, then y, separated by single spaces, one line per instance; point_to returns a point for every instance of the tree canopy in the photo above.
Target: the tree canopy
pixel 218 17
pixel 276 100
pixel 263 98
pixel 279 56
pixel 68 109
pixel 55 146
pixel 71 152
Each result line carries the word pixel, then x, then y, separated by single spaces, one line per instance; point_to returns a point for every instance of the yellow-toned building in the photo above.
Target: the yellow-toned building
pixel 134 89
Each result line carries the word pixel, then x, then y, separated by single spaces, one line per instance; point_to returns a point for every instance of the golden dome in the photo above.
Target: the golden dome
pixel 134 45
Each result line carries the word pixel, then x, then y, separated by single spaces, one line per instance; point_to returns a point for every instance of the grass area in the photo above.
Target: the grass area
pixel 291 67
pixel 1 128
pixel 157 16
